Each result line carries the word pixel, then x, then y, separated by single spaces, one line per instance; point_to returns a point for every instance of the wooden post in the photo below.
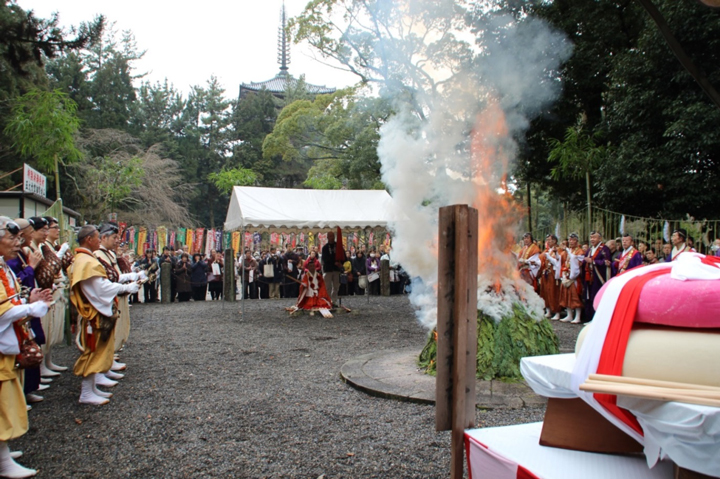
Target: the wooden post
pixel 229 276
pixel 385 277
pixel 165 282
pixel 456 327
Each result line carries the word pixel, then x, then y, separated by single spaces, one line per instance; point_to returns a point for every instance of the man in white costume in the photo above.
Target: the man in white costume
pixel 107 257
pixel 94 296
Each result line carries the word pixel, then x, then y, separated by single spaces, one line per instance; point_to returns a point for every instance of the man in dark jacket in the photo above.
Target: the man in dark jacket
pixel 169 257
pixel 291 270
pixel 331 267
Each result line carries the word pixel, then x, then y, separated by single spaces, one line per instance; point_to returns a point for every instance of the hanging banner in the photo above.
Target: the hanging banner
pixel 236 242
pixel 161 238
pixel 227 241
pixel 248 240
pixel 130 238
pixel 189 236
pixel 209 242
pixel 219 245
pixel 198 240
pixel 142 236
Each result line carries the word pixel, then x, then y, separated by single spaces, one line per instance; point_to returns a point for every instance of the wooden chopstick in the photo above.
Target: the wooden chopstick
pixel 651 382
pixel 685 392
pixel 649 392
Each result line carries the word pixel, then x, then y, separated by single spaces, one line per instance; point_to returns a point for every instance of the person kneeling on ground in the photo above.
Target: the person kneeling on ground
pixel 313 294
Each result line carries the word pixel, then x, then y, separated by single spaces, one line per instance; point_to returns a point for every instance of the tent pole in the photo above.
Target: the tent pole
pixel 242 274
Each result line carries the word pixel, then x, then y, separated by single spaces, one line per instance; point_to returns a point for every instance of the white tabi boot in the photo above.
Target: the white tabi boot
pixel 44 371
pixel 88 396
pixel 556 317
pixel 45 380
pixel 100 392
pixel 568 316
pixel 16 454
pixel 548 313
pixel 113 375
pixel 102 380
pixel 118 366
pixel 51 365
pixel 577 320
pixel 10 468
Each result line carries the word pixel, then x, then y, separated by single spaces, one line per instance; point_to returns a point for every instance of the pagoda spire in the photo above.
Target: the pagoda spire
pixel 283 44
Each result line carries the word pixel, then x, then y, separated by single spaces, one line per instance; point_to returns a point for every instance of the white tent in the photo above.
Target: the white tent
pixel 253 207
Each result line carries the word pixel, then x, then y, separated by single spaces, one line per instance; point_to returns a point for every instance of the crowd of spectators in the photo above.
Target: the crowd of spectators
pixel 271 273
pixel 276 274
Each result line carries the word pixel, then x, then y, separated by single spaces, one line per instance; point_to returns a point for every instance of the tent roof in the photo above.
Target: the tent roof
pixel 291 208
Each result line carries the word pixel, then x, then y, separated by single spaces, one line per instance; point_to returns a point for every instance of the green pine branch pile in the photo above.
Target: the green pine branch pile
pixel 501 345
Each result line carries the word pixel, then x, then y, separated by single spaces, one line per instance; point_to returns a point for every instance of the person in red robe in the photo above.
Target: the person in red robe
pixel 313 294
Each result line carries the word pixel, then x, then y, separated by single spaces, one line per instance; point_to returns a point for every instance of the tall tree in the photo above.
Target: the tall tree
pixel 253 118
pixel 109 67
pixel 157 117
pixel 42 125
pixel 27 41
pixel 206 148
pixel 412 53
pixel 121 175
pixel 599 30
pixel 661 124
pixel 336 135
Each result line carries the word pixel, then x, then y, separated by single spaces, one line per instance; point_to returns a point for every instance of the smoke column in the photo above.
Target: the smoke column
pixel 460 149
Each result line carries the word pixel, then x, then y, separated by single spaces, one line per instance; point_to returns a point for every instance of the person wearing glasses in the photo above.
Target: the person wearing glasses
pixel 13 309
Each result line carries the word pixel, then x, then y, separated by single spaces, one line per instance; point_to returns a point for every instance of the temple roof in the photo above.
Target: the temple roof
pixel 278 84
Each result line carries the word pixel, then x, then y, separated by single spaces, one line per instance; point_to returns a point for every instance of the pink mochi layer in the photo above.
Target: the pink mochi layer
pixel 681 304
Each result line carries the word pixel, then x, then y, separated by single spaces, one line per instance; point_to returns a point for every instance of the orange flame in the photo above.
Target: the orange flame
pixel 498 213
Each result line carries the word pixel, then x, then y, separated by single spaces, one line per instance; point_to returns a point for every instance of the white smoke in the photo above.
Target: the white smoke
pixel 426 159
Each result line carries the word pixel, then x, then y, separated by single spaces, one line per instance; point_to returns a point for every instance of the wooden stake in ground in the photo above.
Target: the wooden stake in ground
pixel 456 327
pixel 229 284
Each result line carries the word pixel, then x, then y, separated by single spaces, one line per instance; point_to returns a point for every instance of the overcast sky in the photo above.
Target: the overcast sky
pixel 187 42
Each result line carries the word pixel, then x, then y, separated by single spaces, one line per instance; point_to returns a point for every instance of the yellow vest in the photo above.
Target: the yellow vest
pixel 84 267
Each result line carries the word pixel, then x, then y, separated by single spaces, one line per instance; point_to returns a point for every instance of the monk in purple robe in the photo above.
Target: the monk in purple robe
pixel 629 258
pixel 598 269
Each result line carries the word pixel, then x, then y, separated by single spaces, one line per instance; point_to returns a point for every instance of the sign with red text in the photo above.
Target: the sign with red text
pixel 34 181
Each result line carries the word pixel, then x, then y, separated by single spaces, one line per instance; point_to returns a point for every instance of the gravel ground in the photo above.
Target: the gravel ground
pixel 210 394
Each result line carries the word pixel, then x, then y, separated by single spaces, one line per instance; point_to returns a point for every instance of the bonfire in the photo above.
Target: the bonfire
pixel 510 320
